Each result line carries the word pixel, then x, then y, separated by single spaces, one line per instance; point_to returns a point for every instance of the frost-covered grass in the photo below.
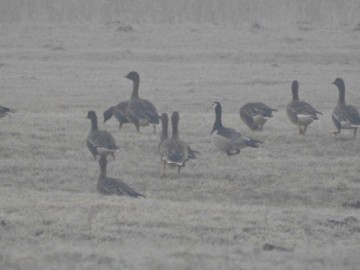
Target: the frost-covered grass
pixel 285 205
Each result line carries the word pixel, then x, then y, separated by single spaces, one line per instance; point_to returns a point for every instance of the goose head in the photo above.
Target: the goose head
pixel 133 76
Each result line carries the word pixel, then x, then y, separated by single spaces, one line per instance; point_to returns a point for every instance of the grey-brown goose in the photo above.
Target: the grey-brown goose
pixel 99 142
pixel 4 111
pixel 228 139
pixel 173 152
pixel 255 114
pixel 344 116
pixel 175 134
pixel 140 112
pixel 300 112
pixel 113 186
pixel 119 111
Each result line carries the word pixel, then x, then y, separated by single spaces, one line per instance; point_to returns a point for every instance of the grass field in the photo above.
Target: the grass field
pixel 291 204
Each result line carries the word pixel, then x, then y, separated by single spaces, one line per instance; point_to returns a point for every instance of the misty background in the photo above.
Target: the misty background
pixel 233 12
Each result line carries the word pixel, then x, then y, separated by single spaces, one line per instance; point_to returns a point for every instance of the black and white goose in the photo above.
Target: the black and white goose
pixel 344 116
pixel 175 134
pixel 99 142
pixel 173 152
pixel 255 114
pixel 140 112
pixel 119 111
pixel 300 112
pixel 113 186
pixel 228 139
pixel 4 111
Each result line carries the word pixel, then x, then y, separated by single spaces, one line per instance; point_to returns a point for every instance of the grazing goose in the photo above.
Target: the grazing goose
pixel 173 152
pixel 119 111
pixel 112 186
pixel 175 135
pixel 99 142
pixel 228 139
pixel 5 111
pixel 255 115
pixel 300 112
pixel 344 116
pixel 140 112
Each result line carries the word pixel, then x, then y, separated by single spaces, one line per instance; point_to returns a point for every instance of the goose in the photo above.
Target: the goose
pixel 255 114
pixel 344 116
pixel 119 111
pixel 99 142
pixel 300 112
pixel 175 134
pixel 140 112
pixel 173 152
pixel 4 111
pixel 228 139
pixel 112 186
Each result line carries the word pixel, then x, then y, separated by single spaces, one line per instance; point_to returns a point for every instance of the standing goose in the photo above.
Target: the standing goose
pixel 255 115
pixel 119 111
pixel 300 112
pixel 99 142
pixel 112 186
pixel 175 135
pixel 228 139
pixel 140 112
pixel 4 111
pixel 173 152
pixel 344 116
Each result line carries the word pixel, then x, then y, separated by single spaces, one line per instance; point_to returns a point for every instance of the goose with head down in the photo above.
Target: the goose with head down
pixel 227 139
pixel 119 111
pixel 255 114
pixel 99 142
pixel 4 111
pixel 300 112
pixel 344 116
pixel 140 112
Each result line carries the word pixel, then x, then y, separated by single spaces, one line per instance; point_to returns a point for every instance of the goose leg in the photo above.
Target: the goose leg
pixel 113 156
pixel 164 166
pixel 120 125
pixel 355 130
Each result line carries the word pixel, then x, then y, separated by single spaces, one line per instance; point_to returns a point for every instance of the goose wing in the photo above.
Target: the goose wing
pixel 348 114
pixel 143 109
pixel 102 139
pixel 118 187
pixel 303 108
pixel 120 111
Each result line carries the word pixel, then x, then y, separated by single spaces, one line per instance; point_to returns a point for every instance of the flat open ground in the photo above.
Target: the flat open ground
pixel 291 204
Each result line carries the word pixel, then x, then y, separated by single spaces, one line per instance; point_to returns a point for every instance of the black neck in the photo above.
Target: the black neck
pixel 94 125
pixel 295 94
pixel 164 130
pixel 175 131
pixel 102 163
pixel 341 95
pixel 135 91
pixel 217 123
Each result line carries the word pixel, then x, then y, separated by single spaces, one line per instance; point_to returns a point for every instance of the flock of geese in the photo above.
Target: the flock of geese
pixel 174 152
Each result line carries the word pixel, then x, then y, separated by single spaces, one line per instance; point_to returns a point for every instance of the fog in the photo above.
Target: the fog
pixel 263 12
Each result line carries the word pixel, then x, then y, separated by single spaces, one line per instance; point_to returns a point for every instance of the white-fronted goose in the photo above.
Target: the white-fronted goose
pixel 173 152
pixel 4 111
pixel 255 114
pixel 99 142
pixel 112 186
pixel 119 111
pixel 140 112
pixel 300 112
pixel 344 116
pixel 175 134
pixel 228 139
